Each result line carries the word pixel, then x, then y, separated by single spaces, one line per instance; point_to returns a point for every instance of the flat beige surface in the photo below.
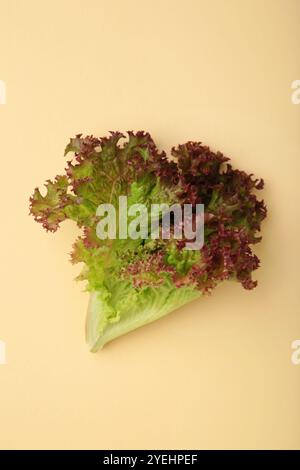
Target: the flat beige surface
pixel 217 373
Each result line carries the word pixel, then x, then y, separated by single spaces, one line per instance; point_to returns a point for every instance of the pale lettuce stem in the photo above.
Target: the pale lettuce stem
pixel 100 330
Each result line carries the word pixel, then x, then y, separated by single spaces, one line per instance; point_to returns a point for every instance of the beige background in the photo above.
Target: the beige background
pixel 217 373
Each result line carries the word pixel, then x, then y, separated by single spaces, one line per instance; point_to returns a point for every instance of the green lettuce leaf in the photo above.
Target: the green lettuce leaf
pixel 133 282
pixel 119 309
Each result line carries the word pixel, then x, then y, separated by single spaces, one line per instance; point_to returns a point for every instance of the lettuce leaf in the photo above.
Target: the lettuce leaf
pixel 119 309
pixel 135 281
